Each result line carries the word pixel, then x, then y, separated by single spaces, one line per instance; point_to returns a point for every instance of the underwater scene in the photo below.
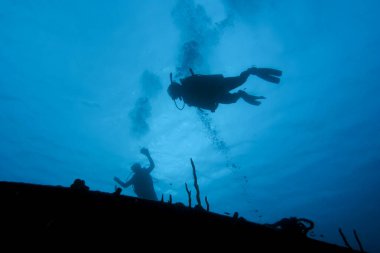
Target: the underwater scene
pixel 276 104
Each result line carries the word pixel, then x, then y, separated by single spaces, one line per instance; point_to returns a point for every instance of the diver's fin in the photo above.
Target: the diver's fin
pixel 250 99
pixel 269 78
pixel 253 102
pixel 270 71
pixel 267 74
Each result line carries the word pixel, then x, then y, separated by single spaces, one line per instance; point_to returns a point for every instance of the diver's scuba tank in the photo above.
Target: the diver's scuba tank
pixel 201 80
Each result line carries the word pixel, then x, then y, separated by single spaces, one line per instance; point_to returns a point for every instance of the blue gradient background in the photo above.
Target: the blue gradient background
pixel 83 88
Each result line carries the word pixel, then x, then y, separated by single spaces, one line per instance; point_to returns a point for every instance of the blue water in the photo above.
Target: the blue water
pixel 83 88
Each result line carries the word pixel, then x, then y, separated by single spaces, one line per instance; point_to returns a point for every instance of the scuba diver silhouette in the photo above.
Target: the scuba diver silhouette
pixel 208 91
pixel 141 180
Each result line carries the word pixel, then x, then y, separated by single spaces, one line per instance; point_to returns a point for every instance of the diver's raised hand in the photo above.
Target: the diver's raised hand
pixel 144 151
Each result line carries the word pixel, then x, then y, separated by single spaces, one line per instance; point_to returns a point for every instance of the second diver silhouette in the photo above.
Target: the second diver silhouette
pixel 208 91
pixel 141 180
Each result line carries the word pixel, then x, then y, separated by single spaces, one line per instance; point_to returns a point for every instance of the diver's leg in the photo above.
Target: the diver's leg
pixel 231 83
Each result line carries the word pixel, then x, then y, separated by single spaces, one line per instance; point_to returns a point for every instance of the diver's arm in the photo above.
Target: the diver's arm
pixel 145 152
pixel 121 183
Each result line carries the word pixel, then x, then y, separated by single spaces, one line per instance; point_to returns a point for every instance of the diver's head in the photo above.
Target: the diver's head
pixel 174 90
pixel 136 167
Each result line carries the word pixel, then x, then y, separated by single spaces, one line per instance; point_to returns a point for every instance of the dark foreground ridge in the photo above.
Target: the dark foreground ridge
pixel 29 209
